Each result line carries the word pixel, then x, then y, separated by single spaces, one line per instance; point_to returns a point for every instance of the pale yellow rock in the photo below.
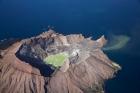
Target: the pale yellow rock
pixel 102 41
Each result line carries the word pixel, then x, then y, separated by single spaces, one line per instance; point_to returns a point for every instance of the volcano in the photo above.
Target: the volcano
pixel 55 63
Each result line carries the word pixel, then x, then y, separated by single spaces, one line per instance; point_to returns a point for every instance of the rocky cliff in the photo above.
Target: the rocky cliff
pixel 23 70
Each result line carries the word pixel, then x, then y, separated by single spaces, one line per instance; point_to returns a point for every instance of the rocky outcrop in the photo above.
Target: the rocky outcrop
pixel 22 69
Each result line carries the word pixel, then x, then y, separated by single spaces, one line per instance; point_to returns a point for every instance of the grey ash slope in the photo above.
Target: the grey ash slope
pixel 84 72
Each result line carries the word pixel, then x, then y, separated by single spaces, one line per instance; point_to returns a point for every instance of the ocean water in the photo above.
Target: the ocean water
pixel 26 18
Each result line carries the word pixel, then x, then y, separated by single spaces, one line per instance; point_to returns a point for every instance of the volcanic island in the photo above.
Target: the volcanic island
pixel 55 63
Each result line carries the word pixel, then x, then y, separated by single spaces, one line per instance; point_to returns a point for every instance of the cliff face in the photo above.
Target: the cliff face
pixel 22 67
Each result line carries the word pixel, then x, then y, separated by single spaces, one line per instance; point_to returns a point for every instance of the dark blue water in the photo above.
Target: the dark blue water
pixel 25 18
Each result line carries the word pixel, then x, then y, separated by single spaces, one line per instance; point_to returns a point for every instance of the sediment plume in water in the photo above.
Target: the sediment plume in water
pixel 117 42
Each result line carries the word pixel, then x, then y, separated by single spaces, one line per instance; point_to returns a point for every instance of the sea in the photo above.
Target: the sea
pixel 92 18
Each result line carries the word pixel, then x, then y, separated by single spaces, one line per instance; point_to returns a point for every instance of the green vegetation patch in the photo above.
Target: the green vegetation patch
pixel 56 60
